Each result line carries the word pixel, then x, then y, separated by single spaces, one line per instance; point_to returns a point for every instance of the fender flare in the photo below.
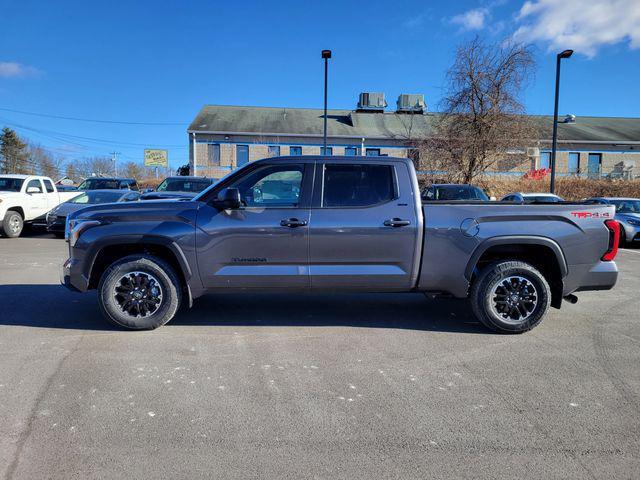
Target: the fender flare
pixel 97 247
pixel 516 240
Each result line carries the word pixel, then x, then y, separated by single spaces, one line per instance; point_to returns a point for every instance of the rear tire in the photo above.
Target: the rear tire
pixel 510 297
pixel 139 292
pixel 12 224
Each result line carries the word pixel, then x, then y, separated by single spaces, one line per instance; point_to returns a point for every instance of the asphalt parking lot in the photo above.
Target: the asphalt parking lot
pixel 367 386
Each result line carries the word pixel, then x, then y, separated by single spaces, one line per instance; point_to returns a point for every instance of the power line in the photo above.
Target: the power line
pixel 91 120
pixel 102 141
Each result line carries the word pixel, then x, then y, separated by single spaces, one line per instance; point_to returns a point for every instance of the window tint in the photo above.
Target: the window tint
pixel 329 151
pixel 271 186
pixel 295 151
pixel 357 185
pixel 36 184
pixel 49 186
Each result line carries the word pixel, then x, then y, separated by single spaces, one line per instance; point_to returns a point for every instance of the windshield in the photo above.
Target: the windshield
pixel 92 198
pixel 10 184
pixel 99 184
pixel 459 192
pixel 179 185
pixel 627 206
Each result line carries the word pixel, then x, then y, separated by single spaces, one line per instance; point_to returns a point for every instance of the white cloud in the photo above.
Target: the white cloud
pixel 582 25
pixel 16 70
pixel 472 19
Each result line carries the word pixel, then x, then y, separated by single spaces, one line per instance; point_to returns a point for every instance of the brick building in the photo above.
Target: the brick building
pixel 222 138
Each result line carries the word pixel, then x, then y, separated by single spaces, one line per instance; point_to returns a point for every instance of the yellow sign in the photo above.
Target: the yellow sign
pixel 156 158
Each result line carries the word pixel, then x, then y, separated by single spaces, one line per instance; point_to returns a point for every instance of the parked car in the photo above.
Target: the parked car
pixel 338 224
pixel 26 199
pixel 627 214
pixel 521 197
pixel 452 191
pixel 178 187
pixel 109 183
pixel 57 217
pixel 67 188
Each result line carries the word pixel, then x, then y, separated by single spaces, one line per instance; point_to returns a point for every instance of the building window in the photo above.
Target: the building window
pixel 328 152
pixel 274 150
pixel 545 159
pixel 295 151
pixel 373 152
pixel 214 155
pixel 351 151
pixel 574 163
pixel 594 165
pixel 242 155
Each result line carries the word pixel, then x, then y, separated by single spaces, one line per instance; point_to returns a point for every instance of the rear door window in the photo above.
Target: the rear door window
pixel 361 185
pixel 49 186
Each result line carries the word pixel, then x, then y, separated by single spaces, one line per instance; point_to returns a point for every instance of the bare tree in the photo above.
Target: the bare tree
pixel 44 162
pixel 483 121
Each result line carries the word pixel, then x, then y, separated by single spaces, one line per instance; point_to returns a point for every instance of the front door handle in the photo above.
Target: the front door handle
pixel 293 222
pixel 396 222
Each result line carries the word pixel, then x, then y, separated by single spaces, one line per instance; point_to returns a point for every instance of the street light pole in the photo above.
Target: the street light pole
pixel 326 54
pixel 554 142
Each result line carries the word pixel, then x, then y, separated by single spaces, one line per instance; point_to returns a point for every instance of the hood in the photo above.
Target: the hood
pixel 627 216
pixel 6 194
pixel 67 208
pixel 166 195
pixel 156 211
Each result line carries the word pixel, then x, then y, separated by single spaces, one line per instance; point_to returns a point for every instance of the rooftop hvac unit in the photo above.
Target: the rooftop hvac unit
pixel 411 103
pixel 372 101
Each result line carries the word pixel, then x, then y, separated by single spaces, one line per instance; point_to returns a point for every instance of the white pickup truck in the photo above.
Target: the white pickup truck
pixel 27 199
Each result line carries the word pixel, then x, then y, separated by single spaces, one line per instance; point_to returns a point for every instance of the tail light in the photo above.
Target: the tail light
pixel 614 239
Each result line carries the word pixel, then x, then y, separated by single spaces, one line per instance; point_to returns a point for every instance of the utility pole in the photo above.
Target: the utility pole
pixel 114 157
pixel 326 54
pixel 554 141
pixel 195 161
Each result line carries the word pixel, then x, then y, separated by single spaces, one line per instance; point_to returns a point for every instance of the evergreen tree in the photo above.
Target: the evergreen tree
pixel 13 153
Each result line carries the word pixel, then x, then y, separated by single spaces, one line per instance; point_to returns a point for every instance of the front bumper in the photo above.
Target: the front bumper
pixel 72 278
pixel 55 223
pixel 632 233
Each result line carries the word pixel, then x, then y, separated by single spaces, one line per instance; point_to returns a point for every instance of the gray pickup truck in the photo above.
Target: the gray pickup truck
pixel 340 224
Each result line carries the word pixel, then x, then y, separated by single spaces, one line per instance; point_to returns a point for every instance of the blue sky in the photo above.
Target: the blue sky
pixel 159 62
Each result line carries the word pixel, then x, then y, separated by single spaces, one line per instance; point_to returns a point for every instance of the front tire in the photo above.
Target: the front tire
pixel 139 292
pixel 510 297
pixel 12 224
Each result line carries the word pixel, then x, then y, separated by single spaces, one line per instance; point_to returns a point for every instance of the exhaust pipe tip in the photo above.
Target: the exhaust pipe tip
pixel 571 298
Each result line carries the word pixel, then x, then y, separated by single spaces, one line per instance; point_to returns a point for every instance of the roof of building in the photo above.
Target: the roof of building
pixel 270 121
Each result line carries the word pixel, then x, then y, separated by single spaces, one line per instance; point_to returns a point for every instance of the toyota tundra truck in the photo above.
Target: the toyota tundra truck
pixel 350 224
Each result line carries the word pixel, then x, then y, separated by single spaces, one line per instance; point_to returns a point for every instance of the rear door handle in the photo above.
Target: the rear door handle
pixel 293 222
pixel 396 222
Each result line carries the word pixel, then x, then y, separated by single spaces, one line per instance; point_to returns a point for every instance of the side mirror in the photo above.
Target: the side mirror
pixel 229 198
pixel 33 190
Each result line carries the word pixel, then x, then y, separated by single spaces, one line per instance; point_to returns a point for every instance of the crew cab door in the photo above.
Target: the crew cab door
pixel 36 199
pixel 53 199
pixel 265 243
pixel 364 227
